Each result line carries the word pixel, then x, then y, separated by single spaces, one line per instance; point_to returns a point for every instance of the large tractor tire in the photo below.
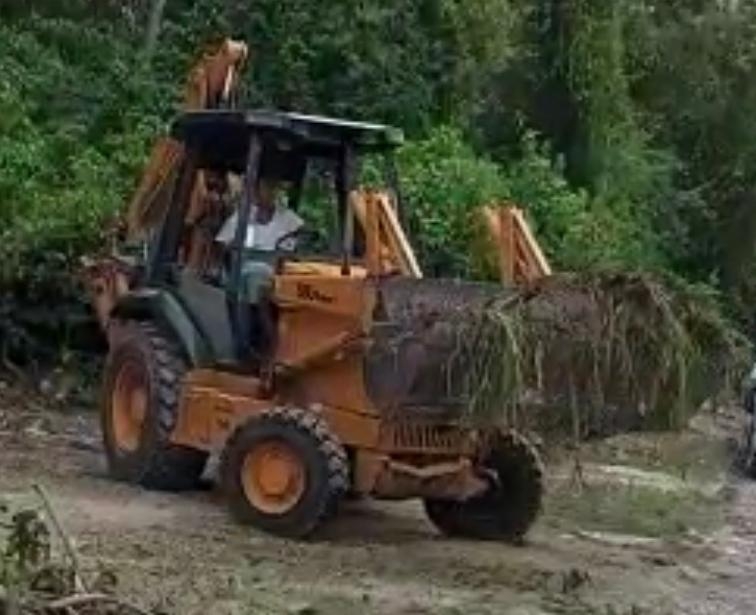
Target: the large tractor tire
pixel 284 472
pixel 748 447
pixel 510 506
pixel 141 392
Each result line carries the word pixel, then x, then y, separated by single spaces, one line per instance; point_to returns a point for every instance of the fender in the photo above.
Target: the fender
pixel 165 309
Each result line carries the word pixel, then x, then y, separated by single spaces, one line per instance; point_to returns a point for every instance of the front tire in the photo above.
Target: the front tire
pixel 284 472
pixel 510 506
pixel 142 380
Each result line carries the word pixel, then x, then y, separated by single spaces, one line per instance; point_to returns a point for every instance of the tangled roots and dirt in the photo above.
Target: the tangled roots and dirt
pixel 595 354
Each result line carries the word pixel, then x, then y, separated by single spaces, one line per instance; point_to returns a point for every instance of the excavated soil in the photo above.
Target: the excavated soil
pixel 653 524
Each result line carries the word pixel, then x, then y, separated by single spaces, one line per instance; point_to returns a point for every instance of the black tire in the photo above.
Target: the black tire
pixel 511 505
pixel 749 401
pixel 154 462
pixel 322 457
pixel 748 448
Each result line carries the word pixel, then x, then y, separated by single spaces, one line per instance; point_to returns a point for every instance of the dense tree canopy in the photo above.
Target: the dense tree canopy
pixel 625 128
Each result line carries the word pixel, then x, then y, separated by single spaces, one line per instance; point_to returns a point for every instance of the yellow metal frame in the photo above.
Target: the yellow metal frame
pixel 521 260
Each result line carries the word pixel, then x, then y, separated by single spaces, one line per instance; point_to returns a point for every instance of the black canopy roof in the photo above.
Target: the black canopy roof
pixel 221 137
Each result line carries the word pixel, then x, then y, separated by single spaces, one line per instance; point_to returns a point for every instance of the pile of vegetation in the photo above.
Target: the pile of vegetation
pixel 592 355
pixel 571 356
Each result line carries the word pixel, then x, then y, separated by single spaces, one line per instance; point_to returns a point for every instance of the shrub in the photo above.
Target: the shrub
pixel 67 163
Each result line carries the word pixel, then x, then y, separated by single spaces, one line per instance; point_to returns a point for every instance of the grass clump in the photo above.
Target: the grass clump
pixel 596 354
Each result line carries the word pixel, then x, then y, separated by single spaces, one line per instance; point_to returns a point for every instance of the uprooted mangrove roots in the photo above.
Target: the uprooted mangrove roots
pixel 592 355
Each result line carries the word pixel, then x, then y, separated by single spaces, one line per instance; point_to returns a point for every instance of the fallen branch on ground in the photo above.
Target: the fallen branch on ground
pixel 34 583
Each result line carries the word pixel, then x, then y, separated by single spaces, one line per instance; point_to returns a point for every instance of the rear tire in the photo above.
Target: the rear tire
pixel 511 505
pixel 141 390
pixel 748 448
pixel 284 472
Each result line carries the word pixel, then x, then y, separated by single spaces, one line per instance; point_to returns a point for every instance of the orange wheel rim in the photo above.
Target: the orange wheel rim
pixel 129 406
pixel 273 477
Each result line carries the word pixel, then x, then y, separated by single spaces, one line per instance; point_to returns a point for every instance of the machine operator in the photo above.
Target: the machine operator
pixel 272 226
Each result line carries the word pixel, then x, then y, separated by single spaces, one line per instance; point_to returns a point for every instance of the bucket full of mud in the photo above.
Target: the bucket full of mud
pixel 577 355
pixel 414 361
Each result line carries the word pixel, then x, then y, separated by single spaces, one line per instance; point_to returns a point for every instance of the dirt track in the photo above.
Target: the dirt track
pixel 631 540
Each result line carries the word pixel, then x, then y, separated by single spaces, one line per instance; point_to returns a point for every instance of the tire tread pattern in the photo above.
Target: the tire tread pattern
pixel 505 518
pixel 313 426
pixel 164 466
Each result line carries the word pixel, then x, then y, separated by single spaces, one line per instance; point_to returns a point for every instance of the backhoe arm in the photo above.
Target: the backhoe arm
pixel 211 83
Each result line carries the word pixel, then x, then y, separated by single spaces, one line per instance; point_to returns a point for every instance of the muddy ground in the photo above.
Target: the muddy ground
pixel 652 524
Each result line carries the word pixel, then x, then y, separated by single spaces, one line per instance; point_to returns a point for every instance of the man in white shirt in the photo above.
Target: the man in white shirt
pixel 269 224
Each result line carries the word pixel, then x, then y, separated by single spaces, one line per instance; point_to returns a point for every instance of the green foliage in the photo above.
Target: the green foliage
pixel 580 231
pixel 27 547
pixel 695 64
pixel 443 181
pixel 407 63
pixel 67 162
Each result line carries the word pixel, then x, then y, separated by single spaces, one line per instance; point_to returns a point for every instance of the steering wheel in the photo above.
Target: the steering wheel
pixel 284 238
pixel 300 233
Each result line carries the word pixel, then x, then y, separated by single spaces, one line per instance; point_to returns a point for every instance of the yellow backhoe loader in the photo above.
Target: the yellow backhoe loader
pixel 333 376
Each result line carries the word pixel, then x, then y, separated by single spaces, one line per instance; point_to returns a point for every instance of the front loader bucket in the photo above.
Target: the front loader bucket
pixel 415 361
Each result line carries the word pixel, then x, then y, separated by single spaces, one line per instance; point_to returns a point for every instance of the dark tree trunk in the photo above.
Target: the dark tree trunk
pixel 153 28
